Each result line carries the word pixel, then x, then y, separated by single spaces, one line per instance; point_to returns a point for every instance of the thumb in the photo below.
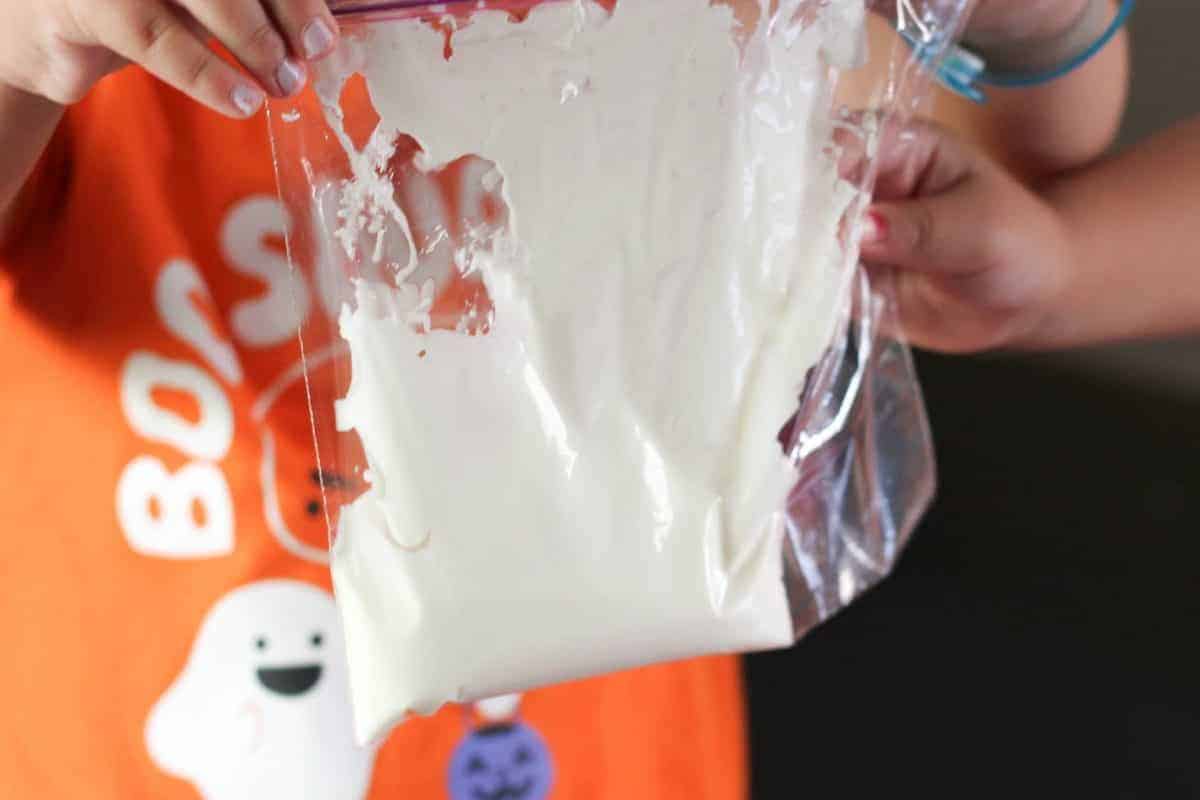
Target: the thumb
pixel 937 235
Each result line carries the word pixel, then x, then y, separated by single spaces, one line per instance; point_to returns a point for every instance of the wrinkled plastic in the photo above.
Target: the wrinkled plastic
pixel 858 441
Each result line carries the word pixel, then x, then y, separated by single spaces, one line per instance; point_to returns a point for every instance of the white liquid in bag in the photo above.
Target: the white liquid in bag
pixel 596 483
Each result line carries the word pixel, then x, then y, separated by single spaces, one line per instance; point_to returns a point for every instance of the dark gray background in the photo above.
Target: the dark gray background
pixel 1166 88
pixel 1041 636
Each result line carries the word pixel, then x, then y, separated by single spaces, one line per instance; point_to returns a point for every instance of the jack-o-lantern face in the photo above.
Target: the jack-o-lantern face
pixel 301 495
pixel 501 762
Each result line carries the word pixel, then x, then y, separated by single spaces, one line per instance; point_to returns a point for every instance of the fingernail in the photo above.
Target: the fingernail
pixel 317 38
pixel 290 76
pixel 875 228
pixel 247 99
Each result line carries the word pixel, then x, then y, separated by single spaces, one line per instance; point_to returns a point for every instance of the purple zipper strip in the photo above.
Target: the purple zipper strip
pixel 352 7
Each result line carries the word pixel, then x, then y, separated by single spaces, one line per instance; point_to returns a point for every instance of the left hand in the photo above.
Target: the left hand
pixel 979 260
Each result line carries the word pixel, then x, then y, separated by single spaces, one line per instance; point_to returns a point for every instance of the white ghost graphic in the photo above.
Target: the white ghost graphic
pixel 261 710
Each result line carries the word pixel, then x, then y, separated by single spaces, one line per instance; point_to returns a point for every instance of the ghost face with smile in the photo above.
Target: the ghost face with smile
pixel 508 761
pixel 294 673
pixel 261 708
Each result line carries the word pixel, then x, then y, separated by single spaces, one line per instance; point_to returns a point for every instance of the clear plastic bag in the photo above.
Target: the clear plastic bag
pixel 598 381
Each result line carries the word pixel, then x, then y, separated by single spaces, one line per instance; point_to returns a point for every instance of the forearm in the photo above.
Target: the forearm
pixel 1134 224
pixel 1068 122
pixel 27 122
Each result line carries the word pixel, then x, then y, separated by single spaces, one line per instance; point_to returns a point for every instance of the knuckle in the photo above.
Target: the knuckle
pixel 993 234
pixel 265 41
pixel 930 130
pixel 994 245
pixel 58 93
pixel 924 228
pixel 153 30
pixel 65 89
pixel 197 68
pixel 64 80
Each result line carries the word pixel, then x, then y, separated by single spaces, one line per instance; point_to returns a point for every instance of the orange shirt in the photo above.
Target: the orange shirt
pixel 168 628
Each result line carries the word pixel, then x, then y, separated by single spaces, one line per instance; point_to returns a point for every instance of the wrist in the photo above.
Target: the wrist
pixel 1043 41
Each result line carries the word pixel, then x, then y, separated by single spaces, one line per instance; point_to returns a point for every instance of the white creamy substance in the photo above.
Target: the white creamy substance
pixel 596 483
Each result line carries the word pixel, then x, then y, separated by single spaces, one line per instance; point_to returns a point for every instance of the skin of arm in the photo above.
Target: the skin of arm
pixel 1037 132
pixel 1067 123
pixel 1133 222
pixel 981 261
pixel 21 145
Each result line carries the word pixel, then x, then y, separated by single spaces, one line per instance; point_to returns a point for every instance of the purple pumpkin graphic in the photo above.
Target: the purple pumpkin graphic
pixel 505 761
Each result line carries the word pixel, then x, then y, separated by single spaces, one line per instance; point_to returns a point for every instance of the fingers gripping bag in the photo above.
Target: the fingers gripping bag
pixel 596 380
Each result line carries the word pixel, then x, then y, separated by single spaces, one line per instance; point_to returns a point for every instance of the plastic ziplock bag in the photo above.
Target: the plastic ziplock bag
pixel 594 376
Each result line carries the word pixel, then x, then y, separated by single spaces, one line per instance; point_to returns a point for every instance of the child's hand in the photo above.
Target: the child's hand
pixel 977 257
pixel 59 48
pixel 1023 19
pixel 1011 20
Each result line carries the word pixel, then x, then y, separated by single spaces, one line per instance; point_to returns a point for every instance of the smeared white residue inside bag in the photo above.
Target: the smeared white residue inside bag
pixel 595 482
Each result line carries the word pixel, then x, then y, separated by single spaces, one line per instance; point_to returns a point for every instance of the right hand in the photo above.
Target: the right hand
pixel 59 49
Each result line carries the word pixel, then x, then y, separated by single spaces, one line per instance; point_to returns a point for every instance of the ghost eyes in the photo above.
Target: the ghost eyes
pixel 476 765
pixel 317 639
pixel 523 756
